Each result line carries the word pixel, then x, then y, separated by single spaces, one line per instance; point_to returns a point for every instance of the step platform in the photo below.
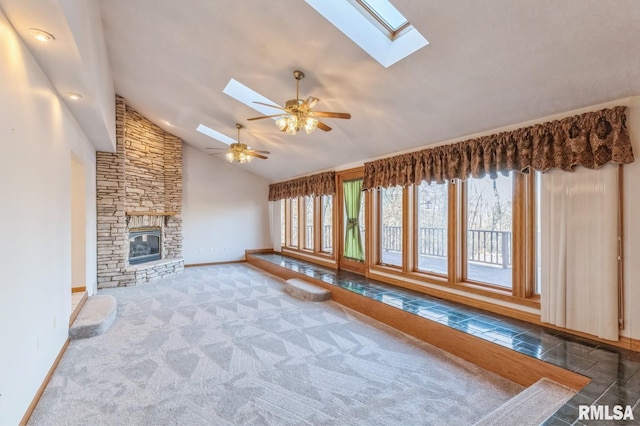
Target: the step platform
pixel 306 291
pixel 96 316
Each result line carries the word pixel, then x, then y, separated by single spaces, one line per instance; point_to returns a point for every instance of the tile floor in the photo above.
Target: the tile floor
pixel 614 372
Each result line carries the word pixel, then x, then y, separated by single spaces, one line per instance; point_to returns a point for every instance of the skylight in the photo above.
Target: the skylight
pixel 387 15
pixel 215 134
pixel 248 96
pixel 374 25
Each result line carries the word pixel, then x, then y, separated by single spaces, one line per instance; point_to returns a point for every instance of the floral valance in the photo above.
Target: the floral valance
pixel 590 140
pixel 320 184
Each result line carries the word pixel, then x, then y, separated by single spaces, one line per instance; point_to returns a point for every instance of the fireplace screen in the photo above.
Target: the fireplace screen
pixel 144 246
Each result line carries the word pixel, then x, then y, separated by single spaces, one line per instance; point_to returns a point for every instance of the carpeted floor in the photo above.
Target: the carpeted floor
pixel 224 345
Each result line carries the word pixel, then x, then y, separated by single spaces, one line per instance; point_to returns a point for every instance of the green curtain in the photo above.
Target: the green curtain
pixel 352 240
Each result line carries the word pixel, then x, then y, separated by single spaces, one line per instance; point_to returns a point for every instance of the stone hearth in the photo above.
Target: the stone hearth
pixel 138 186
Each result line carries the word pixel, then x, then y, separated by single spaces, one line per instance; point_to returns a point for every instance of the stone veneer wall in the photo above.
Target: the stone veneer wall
pixel 144 175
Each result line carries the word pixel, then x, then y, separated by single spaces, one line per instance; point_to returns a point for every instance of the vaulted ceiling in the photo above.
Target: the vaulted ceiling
pixel 488 64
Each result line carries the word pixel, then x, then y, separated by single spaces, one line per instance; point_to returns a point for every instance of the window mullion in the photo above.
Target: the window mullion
pixel 457 240
pixel 519 236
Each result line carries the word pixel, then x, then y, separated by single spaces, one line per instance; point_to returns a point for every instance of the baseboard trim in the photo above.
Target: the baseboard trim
pixel 78 289
pixel 78 308
pixel 226 262
pixel 43 386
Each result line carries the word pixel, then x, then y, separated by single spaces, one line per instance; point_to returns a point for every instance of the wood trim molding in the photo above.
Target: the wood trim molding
pixel 319 259
pixel 78 308
pixel 78 289
pixel 442 294
pixel 43 386
pixel 226 262
pixel 507 363
pixel 151 213
pixel 262 250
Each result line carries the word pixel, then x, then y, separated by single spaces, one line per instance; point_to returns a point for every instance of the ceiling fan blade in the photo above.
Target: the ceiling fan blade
pixel 264 116
pixel 217 153
pixel 261 152
pixel 216 148
pixel 323 126
pixel 255 154
pixel 269 105
pixel 311 101
pixel 332 114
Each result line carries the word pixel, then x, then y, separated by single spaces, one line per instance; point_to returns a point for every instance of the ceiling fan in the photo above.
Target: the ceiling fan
pixel 240 152
pixel 298 114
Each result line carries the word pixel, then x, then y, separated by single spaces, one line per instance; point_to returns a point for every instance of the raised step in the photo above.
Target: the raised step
pixel 532 406
pixel 306 291
pixel 96 316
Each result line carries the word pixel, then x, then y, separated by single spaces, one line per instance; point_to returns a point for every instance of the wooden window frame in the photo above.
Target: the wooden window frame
pixel 522 291
pixel 315 253
pixel 321 227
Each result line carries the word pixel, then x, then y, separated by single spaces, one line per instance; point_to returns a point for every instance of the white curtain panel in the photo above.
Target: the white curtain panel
pixel 274 224
pixel 579 250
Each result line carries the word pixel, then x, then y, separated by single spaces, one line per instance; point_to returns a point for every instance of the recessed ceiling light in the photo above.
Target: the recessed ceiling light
pixel 40 35
pixel 168 123
pixel 74 96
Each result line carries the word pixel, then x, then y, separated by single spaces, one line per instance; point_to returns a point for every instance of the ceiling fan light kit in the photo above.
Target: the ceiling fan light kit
pixel 297 114
pixel 240 153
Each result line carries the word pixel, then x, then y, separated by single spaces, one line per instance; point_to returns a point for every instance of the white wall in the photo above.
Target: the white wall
pixel 225 209
pixel 38 136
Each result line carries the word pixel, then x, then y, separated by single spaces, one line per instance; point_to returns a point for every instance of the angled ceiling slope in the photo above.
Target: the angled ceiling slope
pixel 75 62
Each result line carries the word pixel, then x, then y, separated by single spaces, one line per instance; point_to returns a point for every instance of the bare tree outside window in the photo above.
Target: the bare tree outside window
pixel 327 224
pixel 433 207
pixel 308 219
pixel 489 230
pixel 282 222
pixel 294 222
pixel 391 226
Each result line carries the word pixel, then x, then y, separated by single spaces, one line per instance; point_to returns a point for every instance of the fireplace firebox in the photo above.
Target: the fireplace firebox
pixel 144 245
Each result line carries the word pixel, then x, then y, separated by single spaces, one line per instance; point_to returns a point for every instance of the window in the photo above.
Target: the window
pixel 489 226
pixel 478 236
pixel 308 222
pixel 374 25
pixel 327 224
pixel 294 222
pixel 283 226
pixel 391 226
pixel 432 221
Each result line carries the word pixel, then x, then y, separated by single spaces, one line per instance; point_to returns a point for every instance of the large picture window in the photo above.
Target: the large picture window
pixel 489 230
pixel 391 213
pixel 327 224
pixel 308 222
pixel 477 235
pixel 294 214
pixel 432 222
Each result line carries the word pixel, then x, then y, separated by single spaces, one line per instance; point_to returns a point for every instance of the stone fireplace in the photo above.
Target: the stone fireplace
pixel 139 202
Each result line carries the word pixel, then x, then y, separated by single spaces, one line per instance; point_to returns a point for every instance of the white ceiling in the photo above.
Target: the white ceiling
pixel 489 64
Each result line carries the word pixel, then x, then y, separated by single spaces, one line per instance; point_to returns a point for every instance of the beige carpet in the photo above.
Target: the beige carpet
pixel 225 345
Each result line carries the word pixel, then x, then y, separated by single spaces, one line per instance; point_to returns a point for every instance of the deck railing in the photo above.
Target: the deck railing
pixel 491 247
pixel 327 240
